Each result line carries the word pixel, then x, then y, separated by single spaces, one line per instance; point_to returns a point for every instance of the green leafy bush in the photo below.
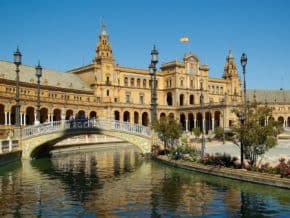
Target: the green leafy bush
pixel 219 133
pixel 196 132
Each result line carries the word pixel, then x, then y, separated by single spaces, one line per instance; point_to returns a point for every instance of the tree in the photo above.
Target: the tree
pixel 168 130
pixel 253 133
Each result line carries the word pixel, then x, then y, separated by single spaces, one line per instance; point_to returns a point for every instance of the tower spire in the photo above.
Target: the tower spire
pixel 104 31
pixel 104 50
pixel 230 69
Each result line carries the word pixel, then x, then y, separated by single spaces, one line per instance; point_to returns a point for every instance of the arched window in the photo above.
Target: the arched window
pixel 126 81
pixel 132 82
pixel 138 83
pixel 181 100
pixel 108 92
pixel 144 83
pixel 191 99
pixel 169 99
pixel 181 83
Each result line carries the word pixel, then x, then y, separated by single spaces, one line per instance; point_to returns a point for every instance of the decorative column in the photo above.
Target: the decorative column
pixel 24 118
pixel 186 125
pixel 195 120
pixel 35 118
pixel 5 117
pixel 212 121
pixel 9 118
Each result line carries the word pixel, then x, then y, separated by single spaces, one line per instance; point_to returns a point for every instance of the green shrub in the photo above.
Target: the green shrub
pixel 196 132
pixel 219 133
pixel 219 160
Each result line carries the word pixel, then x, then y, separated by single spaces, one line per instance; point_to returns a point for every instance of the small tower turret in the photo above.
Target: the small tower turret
pixel 230 69
pixel 104 51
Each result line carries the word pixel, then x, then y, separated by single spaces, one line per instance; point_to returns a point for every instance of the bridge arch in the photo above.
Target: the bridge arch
pixel 46 135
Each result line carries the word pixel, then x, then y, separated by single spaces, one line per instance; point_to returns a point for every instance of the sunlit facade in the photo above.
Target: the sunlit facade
pixel 105 89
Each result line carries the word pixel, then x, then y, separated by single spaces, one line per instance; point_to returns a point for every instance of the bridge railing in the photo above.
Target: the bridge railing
pixel 103 124
pixel 41 129
pixel 123 126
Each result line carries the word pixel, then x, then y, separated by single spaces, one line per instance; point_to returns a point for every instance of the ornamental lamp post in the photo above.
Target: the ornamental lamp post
pixel 38 73
pixel 17 61
pixel 244 60
pixel 152 72
pixel 202 123
pixel 243 115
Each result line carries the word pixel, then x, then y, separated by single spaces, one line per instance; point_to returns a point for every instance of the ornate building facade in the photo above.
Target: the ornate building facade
pixel 107 90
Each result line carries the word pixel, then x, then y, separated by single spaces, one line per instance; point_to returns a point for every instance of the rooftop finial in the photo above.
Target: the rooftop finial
pixel 103 32
pixel 230 54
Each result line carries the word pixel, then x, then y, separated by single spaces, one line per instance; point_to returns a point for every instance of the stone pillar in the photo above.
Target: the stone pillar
pixel 203 123
pixel 62 117
pixel 35 119
pixel 24 116
pixel 9 118
pixel 186 125
pixel 194 123
pixel 5 117
pixel 285 123
pixel 212 123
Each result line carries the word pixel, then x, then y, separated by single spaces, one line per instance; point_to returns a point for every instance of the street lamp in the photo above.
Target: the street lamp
pixel 202 123
pixel 17 62
pixel 244 60
pixel 152 72
pixel 38 73
pixel 242 115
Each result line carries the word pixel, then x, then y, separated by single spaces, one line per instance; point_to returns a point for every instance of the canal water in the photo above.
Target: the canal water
pixel 117 182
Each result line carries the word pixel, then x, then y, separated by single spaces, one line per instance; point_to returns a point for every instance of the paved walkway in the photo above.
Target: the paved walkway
pixel 272 156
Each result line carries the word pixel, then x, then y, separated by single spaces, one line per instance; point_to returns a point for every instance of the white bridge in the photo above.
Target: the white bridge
pixel 33 138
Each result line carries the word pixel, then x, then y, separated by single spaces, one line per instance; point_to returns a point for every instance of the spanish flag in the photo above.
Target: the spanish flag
pixel 184 39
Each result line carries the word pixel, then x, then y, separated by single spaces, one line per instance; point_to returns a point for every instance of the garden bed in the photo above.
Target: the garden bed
pixel 238 174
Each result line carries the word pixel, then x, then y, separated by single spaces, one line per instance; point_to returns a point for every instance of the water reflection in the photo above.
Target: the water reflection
pixel 117 183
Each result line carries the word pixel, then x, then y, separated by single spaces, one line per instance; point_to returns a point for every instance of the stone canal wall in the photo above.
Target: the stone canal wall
pixel 13 156
pixel 238 174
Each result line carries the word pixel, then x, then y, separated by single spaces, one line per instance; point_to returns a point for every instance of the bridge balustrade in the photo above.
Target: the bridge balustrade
pixel 45 128
pixel 102 124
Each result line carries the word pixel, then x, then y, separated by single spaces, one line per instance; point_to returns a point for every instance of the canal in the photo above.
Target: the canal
pixel 117 182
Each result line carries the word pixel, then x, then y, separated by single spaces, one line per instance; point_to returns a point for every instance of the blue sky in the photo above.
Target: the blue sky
pixel 62 34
